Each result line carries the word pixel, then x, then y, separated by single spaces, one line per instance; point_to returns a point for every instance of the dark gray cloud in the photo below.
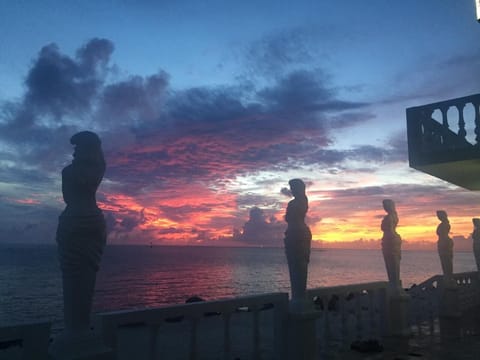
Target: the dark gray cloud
pixel 213 133
pixel 133 101
pixel 11 174
pixel 128 223
pixel 275 53
pixel 368 153
pixel 195 131
pixel 60 93
pixel 398 145
pixel 349 118
pixel 25 222
pixel 181 213
pixel 363 191
pixel 170 230
pixel 212 105
pixel 265 201
pixel 302 92
pixel 59 85
pixel 260 231
pixel 122 224
pixel 443 77
pixel 156 137
pixel 413 198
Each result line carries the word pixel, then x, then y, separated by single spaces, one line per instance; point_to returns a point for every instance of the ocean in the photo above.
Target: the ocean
pixel 142 276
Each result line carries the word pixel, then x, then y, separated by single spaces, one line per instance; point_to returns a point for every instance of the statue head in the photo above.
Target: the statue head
pixel 388 205
pixel 88 147
pixel 297 187
pixel 476 223
pixel 442 215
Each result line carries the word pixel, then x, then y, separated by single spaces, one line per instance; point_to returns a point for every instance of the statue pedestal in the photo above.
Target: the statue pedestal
pixel 78 289
pixel 301 335
pixel 398 301
pixel 450 316
pixel 300 305
pixel 87 346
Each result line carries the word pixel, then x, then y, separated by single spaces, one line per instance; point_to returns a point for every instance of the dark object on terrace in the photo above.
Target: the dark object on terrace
pixel 367 346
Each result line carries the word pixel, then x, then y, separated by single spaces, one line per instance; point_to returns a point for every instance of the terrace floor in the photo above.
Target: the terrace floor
pixel 431 348
pixel 463 345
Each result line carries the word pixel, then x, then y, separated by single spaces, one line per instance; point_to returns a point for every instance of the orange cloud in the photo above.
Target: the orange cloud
pixel 27 201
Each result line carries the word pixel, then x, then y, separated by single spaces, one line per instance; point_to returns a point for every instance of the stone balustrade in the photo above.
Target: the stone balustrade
pixel 426 300
pixel 444 140
pixel 28 341
pixel 346 313
pixel 350 312
pixel 468 284
pixel 192 315
pixel 435 126
pixel 424 305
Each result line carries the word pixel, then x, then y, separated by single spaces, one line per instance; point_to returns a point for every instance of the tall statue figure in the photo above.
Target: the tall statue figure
pixel 297 243
pixel 476 241
pixel 391 244
pixel 445 245
pixel 81 233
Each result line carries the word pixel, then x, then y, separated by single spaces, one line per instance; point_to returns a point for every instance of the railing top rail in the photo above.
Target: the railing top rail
pixel 195 308
pixel 428 281
pixel 450 102
pixel 439 279
pixel 346 289
pixel 16 329
pixel 465 274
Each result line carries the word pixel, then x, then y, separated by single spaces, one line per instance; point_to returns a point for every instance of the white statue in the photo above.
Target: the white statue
pixel 391 244
pixel 297 243
pixel 476 241
pixel 81 233
pixel 445 245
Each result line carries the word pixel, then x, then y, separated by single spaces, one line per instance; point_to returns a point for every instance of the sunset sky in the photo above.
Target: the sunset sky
pixel 207 108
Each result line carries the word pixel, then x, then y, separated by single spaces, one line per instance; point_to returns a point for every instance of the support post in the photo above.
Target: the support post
pixel 450 315
pixel 398 302
pixel 301 335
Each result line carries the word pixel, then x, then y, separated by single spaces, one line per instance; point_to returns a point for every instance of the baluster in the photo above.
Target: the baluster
pixel 193 338
pixel 427 136
pixel 431 316
pixel 444 111
pixel 343 319
pixel 420 306
pixel 256 333
pixel 327 331
pixel 280 328
pixel 358 313
pixel 383 310
pixel 321 328
pixel 461 121
pixel 226 336
pixel 371 313
pixel 477 123
pixel 153 335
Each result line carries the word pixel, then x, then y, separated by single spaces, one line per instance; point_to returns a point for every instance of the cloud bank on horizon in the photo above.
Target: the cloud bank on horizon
pixel 207 164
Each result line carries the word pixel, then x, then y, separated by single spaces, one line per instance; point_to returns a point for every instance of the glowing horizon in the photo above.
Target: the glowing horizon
pixel 348 227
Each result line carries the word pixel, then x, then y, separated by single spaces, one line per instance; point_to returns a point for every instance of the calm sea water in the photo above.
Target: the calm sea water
pixel 142 276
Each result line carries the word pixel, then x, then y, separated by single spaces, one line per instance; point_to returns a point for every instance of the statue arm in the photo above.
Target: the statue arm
pixel 289 212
